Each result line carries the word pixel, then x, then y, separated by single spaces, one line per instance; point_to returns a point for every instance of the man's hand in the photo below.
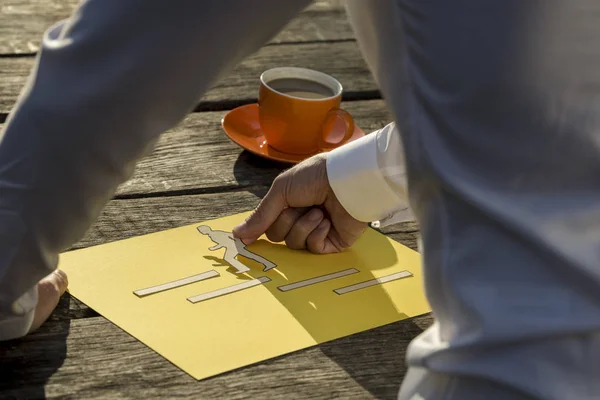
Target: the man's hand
pixel 302 209
pixel 49 291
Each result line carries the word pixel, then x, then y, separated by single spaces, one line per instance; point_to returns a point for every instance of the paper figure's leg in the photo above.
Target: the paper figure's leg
pixel 229 257
pixel 248 254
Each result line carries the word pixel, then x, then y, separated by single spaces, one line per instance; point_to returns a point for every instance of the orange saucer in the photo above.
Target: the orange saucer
pixel 242 126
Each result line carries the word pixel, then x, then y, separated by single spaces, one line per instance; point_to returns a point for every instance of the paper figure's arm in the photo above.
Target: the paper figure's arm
pixel 99 96
pixel 216 247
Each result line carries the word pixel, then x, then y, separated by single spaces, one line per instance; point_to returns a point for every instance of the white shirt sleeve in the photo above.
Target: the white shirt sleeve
pixel 368 176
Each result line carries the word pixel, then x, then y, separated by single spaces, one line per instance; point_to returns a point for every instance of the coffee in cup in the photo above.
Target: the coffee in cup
pixel 302 88
pixel 298 108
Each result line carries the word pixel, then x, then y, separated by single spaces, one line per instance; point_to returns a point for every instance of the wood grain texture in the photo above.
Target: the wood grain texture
pixel 93 359
pixel 122 219
pixel 23 22
pixel 342 60
pixel 197 156
pixel 195 174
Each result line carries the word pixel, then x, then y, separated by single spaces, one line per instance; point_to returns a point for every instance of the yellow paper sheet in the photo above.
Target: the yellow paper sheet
pixel 238 329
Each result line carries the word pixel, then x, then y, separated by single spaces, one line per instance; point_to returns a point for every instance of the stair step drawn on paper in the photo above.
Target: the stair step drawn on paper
pixel 175 284
pixel 228 289
pixel 291 294
pixel 318 279
pixel 373 282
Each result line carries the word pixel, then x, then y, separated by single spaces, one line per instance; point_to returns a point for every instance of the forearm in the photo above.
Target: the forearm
pixel 107 83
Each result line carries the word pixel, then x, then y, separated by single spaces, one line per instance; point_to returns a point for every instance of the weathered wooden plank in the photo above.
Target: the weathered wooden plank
pixel 92 358
pixel 49 363
pixel 342 60
pixel 122 219
pixel 197 155
pixel 23 22
pixel 323 20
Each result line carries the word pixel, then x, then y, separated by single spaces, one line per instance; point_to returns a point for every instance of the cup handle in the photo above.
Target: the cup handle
pixel 334 113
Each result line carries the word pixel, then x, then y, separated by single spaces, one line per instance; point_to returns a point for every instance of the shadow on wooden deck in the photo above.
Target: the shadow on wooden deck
pixel 364 356
pixel 46 349
pixel 375 359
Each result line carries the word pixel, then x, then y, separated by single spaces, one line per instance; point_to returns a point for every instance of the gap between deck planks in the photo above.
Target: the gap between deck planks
pixel 23 22
pixel 342 60
pixel 92 358
pixel 197 157
pixel 97 359
pixel 122 219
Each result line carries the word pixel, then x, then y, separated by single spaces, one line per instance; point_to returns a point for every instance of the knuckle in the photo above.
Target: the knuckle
pixel 62 277
pixel 315 244
pixel 48 288
pixel 279 182
pixel 288 216
pixel 295 244
pixel 280 228
pixel 301 227
pixel 282 184
pixel 341 245
pixel 274 236
pixel 314 247
pixel 256 214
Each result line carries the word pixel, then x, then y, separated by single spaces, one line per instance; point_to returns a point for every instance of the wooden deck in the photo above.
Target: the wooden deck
pixel 196 173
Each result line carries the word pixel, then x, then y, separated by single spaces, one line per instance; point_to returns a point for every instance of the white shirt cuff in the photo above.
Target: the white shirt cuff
pixel 359 185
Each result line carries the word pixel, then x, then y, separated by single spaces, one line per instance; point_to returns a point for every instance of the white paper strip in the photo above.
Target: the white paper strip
pixel 373 282
pixel 317 279
pixel 228 289
pixel 176 284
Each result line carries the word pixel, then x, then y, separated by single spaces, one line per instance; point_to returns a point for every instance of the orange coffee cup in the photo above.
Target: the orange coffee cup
pixel 295 117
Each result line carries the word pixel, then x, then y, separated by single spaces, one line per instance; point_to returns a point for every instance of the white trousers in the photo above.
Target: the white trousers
pixel 421 384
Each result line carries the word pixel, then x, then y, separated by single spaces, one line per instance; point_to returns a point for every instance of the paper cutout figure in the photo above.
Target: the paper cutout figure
pixel 318 279
pixel 219 335
pixel 228 289
pixel 373 282
pixel 175 284
pixel 233 247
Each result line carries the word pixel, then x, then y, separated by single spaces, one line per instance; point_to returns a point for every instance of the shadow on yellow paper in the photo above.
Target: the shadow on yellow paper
pixel 209 304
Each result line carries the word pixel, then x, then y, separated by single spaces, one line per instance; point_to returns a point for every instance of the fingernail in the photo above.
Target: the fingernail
pixel 315 214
